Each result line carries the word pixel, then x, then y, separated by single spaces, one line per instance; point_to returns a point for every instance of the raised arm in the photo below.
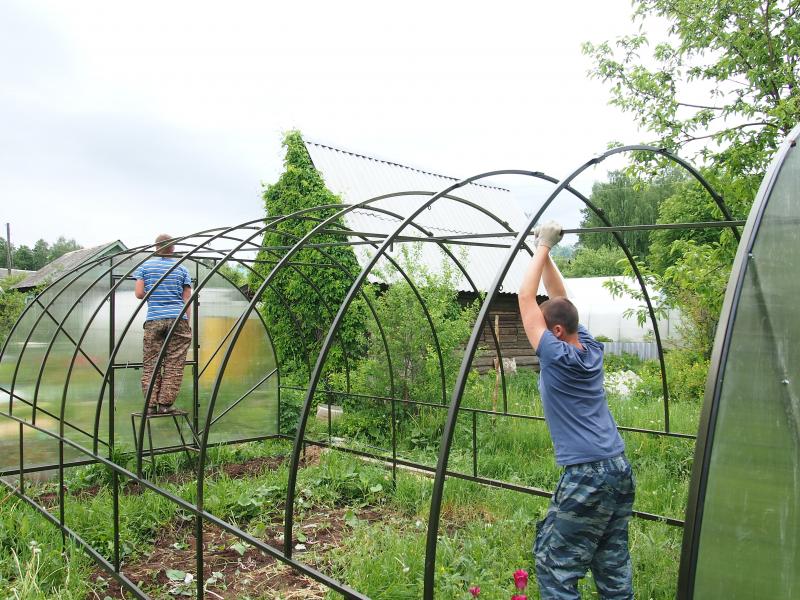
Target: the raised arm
pixel 532 318
pixel 553 281
pixel 541 265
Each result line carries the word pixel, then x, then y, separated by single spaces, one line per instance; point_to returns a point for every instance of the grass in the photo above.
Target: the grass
pixel 485 533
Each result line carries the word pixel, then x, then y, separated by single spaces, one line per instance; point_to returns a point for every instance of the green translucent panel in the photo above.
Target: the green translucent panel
pixel 249 371
pixel 48 368
pixel 749 545
pixel 37 360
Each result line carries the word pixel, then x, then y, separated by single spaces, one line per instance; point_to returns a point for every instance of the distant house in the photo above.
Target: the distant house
pixel 69 261
pixel 357 177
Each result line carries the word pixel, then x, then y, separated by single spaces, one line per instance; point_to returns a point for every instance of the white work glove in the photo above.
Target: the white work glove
pixel 548 234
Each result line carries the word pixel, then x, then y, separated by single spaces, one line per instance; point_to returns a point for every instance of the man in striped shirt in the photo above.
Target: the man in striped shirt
pixel 164 306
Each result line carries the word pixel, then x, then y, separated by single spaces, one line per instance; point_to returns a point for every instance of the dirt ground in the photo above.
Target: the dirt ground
pixel 232 569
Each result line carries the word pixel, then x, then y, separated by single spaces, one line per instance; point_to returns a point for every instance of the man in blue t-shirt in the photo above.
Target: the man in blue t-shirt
pixel 164 305
pixel 586 526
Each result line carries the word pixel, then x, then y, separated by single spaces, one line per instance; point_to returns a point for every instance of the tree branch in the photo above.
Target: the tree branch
pixel 692 138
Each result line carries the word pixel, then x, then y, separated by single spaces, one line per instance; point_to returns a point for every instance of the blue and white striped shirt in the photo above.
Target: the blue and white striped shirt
pixel 166 301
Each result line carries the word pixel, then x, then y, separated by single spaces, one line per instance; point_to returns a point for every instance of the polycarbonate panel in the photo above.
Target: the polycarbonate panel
pixel 41 354
pixel 749 544
pixel 249 373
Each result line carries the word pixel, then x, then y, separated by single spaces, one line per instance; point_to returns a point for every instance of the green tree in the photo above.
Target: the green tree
pixel 594 262
pixel 23 258
pixel 4 253
pixel 41 253
pixel 727 77
pixel 627 200
pixel 415 361
pixel 12 303
pixel 300 331
pixel 61 246
pixel 724 85
pixel 691 202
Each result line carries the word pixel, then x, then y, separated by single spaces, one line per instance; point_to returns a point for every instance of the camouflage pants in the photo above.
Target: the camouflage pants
pixel 586 527
pixel 168 379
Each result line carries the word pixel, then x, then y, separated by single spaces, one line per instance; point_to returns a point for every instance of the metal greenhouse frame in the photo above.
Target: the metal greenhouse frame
pixel 215 248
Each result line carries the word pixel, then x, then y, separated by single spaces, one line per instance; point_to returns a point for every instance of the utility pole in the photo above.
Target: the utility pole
pixel 8 248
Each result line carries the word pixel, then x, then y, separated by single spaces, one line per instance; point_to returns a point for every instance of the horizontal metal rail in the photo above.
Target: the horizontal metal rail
pixel 486 411
pixel 469 239
pixel 132 453
pixel 138 365
pixel 515 487
pixel 327 581
pixel 49 414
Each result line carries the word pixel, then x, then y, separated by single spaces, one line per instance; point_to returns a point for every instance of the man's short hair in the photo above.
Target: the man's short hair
pixel 560 311
pixel 163 246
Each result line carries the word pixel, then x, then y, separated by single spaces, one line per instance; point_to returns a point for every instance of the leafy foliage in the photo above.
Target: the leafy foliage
pixel 301 301
pixel 411 346
pixel 627 200
pixel 594 262
pixel 727 77
pixel 12 304
pixel 691 202
pixel 42 253
pixel 724 84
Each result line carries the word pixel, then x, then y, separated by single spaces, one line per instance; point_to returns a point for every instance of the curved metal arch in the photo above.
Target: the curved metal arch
pixel 162 353
pixel 412 285
pixel 78 271
pixel 447 435
pixel 314 380
pixel 99 404
pixel 445 249
pixel 231 344
pixel 112 290
pixel 640 278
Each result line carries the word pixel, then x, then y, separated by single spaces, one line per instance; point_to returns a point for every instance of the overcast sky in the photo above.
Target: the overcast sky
pixel 122 121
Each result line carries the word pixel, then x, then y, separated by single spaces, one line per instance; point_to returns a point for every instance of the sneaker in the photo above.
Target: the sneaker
pixel 165 409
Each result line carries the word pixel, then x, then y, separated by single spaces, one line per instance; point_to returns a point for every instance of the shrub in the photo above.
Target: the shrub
pixel 686 376
pixel 622 362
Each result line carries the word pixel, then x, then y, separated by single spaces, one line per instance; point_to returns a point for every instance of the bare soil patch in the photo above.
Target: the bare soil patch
pixel 232 569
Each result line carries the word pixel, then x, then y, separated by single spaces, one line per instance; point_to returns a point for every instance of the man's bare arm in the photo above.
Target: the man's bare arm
pixel 532 317
pixel 553 281
pixel 138 289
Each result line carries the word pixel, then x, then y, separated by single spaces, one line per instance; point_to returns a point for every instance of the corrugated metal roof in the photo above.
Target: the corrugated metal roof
pixel 67 262
pixel 356 177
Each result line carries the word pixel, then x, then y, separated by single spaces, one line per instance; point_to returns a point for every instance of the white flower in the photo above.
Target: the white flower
pixel 622 383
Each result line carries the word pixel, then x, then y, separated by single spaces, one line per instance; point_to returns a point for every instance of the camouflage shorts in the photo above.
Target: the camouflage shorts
pixel 586 527
pixel 168 379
